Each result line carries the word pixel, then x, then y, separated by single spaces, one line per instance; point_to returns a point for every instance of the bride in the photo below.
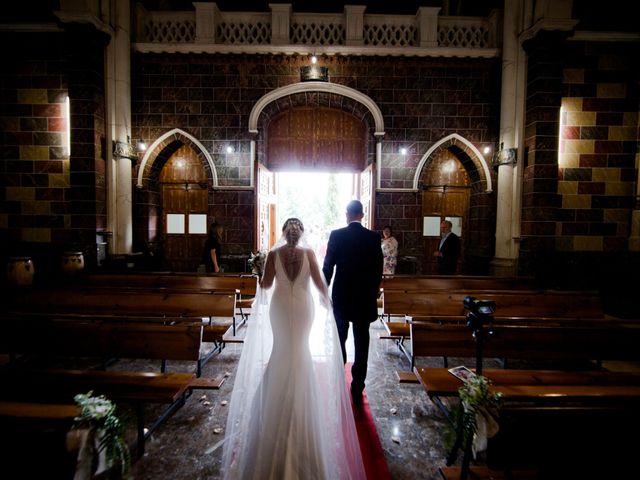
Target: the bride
pixel 290 415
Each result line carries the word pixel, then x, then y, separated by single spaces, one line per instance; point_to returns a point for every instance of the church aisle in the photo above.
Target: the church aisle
pixel 409 426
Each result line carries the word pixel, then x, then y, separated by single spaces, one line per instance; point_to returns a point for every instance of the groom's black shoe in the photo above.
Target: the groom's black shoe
pixel 356 395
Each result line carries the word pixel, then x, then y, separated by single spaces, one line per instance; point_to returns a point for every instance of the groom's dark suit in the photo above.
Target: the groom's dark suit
pixel 356 254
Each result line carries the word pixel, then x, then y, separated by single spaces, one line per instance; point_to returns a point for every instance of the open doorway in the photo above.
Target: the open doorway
pixel 318 199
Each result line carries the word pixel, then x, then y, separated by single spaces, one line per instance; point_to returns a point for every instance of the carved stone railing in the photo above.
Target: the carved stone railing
pixel 207 29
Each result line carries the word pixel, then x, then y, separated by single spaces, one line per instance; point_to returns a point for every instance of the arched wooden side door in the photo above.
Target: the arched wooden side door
pixel 446 196
pixel 184 191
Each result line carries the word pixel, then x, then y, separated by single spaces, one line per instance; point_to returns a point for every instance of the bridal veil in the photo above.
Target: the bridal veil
pixel 329 405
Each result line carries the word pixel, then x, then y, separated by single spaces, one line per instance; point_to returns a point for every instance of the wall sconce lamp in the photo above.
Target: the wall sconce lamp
pixel 141 145
pixel 403 151
pixel 230 149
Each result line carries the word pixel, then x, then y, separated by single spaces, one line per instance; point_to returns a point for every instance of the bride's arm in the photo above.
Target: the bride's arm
pixel 316 276
pixel 269 270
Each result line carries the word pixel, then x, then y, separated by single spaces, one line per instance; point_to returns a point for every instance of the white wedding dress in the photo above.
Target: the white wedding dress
pixel 290 415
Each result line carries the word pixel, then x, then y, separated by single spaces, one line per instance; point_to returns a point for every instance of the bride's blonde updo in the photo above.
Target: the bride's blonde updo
pixel 292 230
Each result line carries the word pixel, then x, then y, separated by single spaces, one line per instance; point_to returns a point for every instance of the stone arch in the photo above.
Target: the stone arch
pixel 463 148
pixel 324 87
pixel 165 140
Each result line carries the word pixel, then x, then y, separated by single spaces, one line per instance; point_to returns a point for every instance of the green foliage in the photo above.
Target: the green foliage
pixel 476 398
pixel 99 414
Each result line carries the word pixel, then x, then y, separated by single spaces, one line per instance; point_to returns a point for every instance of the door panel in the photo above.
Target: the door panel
pixel 184 190
pixel 266 227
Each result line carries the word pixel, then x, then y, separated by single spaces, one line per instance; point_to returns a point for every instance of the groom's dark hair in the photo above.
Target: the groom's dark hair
pixel 354 208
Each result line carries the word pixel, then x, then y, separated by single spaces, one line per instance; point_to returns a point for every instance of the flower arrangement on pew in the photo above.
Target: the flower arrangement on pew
pixel 100 437
pixel 256 263
pixel 479 411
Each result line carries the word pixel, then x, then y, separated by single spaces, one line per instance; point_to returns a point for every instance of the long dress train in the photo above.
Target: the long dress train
pixel 290 416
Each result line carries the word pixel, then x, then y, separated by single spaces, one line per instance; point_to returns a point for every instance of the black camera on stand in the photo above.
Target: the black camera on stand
pixel 480 312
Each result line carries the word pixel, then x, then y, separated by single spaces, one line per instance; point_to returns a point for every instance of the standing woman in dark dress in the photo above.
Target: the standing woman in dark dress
pixel 212 246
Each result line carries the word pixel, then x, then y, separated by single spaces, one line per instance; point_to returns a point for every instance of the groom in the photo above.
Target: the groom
pixel 357 255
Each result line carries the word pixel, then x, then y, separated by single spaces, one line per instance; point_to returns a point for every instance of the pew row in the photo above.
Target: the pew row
pixel 531 342
pixel 573 417
pixel 105 340
pixel 244 286
pixel 521 306
pixel 52 340
pixel 456 282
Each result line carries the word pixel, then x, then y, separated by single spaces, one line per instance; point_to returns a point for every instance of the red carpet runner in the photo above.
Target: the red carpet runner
pixel 372 454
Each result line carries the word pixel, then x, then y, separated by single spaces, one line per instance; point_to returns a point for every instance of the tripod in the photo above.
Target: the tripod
pixel 479 312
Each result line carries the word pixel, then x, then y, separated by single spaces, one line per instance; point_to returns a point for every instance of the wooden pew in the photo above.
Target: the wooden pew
pixel 439 304
pixel 456 282
pixel 244 286
pixel 546 407
pixel 70 340
pixel 549 303
pixel 144 303
pixel 532 342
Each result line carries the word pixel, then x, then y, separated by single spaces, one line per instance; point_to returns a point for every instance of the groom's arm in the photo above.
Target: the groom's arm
pixel 329 259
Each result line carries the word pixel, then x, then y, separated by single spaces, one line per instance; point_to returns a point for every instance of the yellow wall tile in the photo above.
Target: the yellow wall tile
pixel 32 152
pixel 611 62
pixel 32 95
pixel 567 187
pixel 618 188
pixel 573 75
pixel 573 104
pixel 605 174
pixel 611 90
pixel 576 201
pixel 4 220
pixel 579 146
pixel 36 234
pixel 58 180
pixel 581 119
pixel 587 244
pixel 569 160
pixel 616 215
pixel 20 194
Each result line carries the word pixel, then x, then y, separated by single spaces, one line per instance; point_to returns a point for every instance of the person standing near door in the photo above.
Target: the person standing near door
pixel 449 249
pixel 211 253
pixel 355 253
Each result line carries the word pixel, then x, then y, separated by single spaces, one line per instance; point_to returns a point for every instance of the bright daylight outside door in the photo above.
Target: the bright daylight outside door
pixel 319 199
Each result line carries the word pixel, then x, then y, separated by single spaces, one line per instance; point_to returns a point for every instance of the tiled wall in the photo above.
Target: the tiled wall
pixel 598 138
pixel 422 100
pixel 51 196
pixel 581 142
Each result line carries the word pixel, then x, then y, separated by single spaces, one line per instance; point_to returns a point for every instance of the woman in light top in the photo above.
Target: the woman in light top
pixel 389 251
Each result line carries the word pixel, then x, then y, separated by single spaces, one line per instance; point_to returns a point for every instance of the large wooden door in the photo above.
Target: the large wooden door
pixel 266 221
pixel 366 194
pixel 184 190
pixel 446 196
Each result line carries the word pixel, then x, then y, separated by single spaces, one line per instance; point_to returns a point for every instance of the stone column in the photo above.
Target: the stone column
pixel 119 150
pixel 509 181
